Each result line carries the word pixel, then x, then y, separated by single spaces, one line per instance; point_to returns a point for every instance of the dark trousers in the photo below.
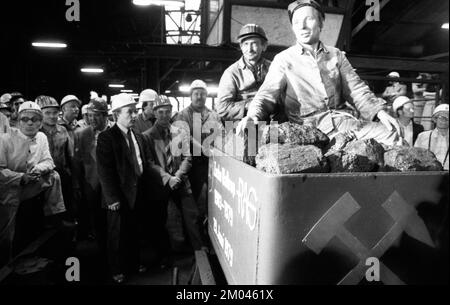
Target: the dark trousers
pixel 192 219
pixel 122 240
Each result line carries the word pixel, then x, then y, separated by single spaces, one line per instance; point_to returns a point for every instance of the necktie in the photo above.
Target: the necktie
pixel 169 156
pixel 133 154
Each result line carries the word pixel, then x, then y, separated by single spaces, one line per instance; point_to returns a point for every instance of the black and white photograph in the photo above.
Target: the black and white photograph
pixel 224 148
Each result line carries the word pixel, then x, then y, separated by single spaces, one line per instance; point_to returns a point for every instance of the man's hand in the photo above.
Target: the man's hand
pixel 114 207
pixel 29 178
pixel 244 123
pixel 174 182
pixel 388 121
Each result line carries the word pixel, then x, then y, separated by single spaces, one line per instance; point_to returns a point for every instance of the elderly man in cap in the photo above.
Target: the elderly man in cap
pixel 395 88
pixel 240 81
pixel 15 101
pixel 86 181
pixel 437 140
pixel 59 143
pixel 146 119
pixel 173 165
pixel 26 171
pixel 310 79
pixel 200 120
pixel 123 164
pixel 403 108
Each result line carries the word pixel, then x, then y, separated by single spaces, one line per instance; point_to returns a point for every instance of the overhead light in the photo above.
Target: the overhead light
pixel 126 91
pixel 91 70
pixel 184 88
pixel 167 91
pixel 445 26
pixel 116 86
pixel 171 3
pixel 53 45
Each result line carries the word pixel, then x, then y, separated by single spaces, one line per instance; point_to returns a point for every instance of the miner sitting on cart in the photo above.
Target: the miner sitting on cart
pixel 240 81
pixel 26 171
pixel 310 79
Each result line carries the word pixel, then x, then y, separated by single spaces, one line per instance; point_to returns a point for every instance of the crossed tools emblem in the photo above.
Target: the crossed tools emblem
pixel 332 224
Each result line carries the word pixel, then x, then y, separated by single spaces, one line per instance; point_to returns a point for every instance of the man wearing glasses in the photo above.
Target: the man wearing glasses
pixel 26 171
pixel 436 140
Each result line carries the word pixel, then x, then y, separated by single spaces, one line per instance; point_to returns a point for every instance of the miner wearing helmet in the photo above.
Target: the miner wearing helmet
pixel 26 172
pixel 403 108
pixel 313 82
pixel 240 81
pixel 437 140
pixel 59 143
pixel 200 123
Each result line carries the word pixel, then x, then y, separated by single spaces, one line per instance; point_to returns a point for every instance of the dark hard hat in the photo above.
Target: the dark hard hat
pixel 251 30
pixel 98 105
pixel 45 101
pixel 301 3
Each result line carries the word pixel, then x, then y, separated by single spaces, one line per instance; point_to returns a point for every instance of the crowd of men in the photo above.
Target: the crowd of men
pixel 113 179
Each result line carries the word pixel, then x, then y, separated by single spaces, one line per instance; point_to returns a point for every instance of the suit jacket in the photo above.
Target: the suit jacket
pixel 85 158
pixel 118 180
pixel 182 163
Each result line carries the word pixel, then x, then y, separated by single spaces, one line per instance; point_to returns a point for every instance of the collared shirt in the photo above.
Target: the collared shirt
pixel 407 132
pixel 435 142
pixel 143 123
pixel 19 154
pixel 59 144
pixel 309 84
pixel 238 85
pixel 135 143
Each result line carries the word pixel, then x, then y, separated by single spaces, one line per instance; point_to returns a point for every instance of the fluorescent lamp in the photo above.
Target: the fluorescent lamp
pixel 116 86
pixel 91 70
pixel 126 91
pixel 172 3
pixel 445 26
pixel 54 45
pixel 167 91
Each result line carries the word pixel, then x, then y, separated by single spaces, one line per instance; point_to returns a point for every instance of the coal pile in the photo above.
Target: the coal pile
pixel 296 134
pixel 410 159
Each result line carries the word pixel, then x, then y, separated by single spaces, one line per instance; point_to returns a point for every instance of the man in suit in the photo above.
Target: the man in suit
pixel 86 182
pixel 403 107
pixel 173 163
pixel 121 162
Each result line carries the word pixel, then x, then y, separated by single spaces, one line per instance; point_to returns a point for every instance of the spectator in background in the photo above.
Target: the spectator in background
pixel 145 120
pixel 59 145
pixel 26 171
pixel 5 114
pixel 404 110
pixel 84 122
pixel 395 88
pixel 240 81
pixel 437 140
pixel 70 105
pixel 15 101
pixel 122 160
pixel 86 181
pixel 196 116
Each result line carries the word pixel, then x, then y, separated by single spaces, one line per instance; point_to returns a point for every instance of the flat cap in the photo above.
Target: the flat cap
pixel 301 3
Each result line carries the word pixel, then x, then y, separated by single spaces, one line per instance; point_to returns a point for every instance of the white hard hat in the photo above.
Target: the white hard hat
pixel 198 84
pixel 440 108
pixel 400 102
pixel 70 98
pixel 5 98
pixel 30 106
pixel 121 100
pixel 148 95
pixel 84 109
pixel 394 74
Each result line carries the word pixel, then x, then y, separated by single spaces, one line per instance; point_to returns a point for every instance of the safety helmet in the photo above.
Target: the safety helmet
pixel 121 100
pixel 198 84
pixel 31 107
pixel 45 101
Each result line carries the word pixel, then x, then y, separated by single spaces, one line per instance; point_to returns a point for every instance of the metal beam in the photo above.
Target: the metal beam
pixel 436 56
pixel 363 23
pixel 228 54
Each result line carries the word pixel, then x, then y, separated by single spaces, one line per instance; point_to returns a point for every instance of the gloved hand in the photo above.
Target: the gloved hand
pixel 174 182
